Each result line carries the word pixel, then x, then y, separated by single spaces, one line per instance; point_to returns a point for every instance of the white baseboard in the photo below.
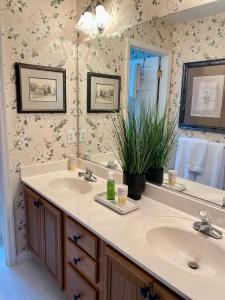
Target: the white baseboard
pixel 23 256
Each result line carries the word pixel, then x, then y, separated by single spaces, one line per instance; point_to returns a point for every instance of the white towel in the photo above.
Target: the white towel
pixel 135 79
pixel 198 153
pixel 183 158
pixel 213 174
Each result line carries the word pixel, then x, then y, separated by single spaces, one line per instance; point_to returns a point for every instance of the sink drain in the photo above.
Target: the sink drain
pixel 193 265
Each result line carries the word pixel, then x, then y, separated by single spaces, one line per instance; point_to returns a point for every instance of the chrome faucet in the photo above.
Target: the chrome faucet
pixel 205 226
pixel 88 175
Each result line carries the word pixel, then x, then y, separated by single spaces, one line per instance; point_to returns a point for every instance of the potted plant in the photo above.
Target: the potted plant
pixel 163 132
pixel 131 147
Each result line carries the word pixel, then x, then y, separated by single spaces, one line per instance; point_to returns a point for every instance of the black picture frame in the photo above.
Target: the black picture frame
pixel 99 76
pixel 200 69
pixel 19 90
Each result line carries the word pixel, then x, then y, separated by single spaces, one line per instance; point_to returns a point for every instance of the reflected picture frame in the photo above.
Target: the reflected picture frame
pixel 202 104
pixel 103 93
pixel 40 89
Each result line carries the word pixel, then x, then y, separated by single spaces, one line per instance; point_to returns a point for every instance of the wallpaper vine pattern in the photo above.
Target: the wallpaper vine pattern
pixel 37 32
pixel 197 40
pixel 107 56
pixel 41 32
pixel 127 13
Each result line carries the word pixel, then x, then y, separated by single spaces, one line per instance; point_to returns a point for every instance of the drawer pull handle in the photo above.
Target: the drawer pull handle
pixel 145 293
pixel 37 204
pixel 76 238
pixel 76 261
pixel 77 296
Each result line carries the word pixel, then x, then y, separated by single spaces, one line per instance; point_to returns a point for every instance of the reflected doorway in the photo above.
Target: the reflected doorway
pixel 148 75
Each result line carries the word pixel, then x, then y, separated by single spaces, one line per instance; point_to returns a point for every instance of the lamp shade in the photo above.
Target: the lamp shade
pixel 87 23
pixel 102 17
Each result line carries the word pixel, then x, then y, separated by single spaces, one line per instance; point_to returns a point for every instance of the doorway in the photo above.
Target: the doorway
pixel 148 74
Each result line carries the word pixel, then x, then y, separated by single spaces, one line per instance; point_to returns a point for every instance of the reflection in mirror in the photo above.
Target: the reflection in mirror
pixel 149 59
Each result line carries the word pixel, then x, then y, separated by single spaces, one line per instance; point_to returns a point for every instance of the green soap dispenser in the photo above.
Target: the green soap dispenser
pixel 110 186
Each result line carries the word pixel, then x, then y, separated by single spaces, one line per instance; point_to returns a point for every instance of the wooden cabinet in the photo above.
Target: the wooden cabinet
pixel 81 237
pixel 160 292
pixel 82 262
pixel 93 270
pixel 52 237
pixel 77 287
pixel 44 233
pixel 123 280
pixel 34 219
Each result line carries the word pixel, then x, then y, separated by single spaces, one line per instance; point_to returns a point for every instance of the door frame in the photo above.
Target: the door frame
pixel 5 174
pixel 166 60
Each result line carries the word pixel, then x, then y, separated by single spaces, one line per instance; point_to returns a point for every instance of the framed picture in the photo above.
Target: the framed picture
pixel 103 93
pixel 202 104
pixel 40 89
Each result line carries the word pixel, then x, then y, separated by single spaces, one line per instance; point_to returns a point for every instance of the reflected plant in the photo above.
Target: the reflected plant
pixel 164 135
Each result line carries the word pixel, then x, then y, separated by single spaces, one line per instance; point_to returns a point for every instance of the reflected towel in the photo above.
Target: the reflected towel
pixel 213 174
pixel 198 153
pixel 183 158
pixel 135 79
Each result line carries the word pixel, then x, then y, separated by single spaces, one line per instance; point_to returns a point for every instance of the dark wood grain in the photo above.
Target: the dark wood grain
pixel 87 241
pixel 53 257
pixel 81 261
pixel 76 285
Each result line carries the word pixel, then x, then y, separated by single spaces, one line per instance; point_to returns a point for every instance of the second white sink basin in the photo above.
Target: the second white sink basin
pixel 174 241
pixel 70 185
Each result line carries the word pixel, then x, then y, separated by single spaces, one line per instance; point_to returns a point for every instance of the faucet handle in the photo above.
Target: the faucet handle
pixel 88 171
pixel 205 217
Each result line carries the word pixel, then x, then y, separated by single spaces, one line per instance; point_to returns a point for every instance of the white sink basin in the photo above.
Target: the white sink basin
pixel 174 241
pixel 70 185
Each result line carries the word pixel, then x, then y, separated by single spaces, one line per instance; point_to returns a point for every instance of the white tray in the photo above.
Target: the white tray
pixel 130 205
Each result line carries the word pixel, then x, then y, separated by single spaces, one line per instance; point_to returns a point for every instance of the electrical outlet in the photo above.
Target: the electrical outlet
pixel 82 136
pixel 71 136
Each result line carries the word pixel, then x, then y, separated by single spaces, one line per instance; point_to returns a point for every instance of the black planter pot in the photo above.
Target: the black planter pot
pixel 136 185
pixel 155 175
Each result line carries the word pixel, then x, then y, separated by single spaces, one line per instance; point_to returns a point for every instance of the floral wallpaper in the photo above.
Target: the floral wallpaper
pixel 202 39
pixel 37 32
pixel 127 13
pixel 42 32
pixel 107 56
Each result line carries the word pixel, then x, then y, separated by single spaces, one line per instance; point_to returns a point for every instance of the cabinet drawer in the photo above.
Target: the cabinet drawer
pixel 81 261
pixel 82 237
pixel 76 287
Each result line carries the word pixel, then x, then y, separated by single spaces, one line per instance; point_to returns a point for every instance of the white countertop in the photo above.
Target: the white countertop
pixel 123 232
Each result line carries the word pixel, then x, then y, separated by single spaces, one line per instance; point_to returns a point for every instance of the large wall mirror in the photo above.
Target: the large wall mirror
pixel 145 63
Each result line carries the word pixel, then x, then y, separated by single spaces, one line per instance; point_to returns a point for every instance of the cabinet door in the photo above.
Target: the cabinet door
pixel 52 232
pixel 160 292
pixel 123 280
pixel 34 218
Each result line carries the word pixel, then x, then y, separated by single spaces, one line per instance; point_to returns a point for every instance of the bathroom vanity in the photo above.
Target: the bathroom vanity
pixel 95 253
pixel 80 261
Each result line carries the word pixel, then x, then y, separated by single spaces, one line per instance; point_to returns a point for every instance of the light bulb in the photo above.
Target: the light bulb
pixel 102 18
pixel 87 23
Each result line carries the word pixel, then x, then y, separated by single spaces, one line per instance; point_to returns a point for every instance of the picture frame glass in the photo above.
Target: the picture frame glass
pixel 203 96
pixel 40 89
pixel 103 93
